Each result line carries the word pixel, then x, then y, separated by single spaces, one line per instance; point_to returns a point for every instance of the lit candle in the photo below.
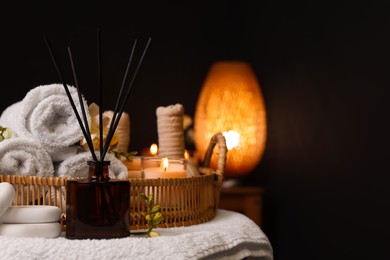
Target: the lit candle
pixel 191 157
pixel 153 149
pixel 150 151
pixel 166 170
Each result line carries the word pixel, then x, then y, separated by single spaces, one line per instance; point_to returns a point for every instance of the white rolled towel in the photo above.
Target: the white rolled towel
pixel 45 114
pixel 21 156
pixel 76 166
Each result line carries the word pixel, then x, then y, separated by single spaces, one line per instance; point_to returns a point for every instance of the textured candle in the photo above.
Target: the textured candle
pixel 170 131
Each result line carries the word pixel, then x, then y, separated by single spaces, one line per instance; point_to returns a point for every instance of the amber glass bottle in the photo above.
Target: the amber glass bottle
pixel 97 207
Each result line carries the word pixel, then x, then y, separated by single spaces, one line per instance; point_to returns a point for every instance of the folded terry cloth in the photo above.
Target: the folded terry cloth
pixel 20 156
pixel 45 114
pixel 76 166
pixel 229 235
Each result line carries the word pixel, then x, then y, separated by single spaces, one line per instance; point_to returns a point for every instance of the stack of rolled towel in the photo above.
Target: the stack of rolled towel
pixel 46 135
pixel 26 221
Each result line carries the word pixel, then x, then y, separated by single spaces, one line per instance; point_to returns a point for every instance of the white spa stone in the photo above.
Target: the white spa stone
pixel 45 230
pixel 30 214
pixel 7 196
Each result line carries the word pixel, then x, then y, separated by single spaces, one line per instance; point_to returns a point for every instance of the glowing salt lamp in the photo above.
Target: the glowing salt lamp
pixel 231 101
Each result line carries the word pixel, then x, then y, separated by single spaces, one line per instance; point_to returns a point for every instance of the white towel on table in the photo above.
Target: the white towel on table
pixel 45 114
pixel 76 166
pixel 21 156
pixel 229 235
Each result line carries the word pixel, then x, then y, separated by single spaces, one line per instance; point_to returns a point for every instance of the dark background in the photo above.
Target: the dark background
pixel 323 68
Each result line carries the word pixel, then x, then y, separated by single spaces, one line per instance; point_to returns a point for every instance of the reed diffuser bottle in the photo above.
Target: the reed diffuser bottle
pixel 97 207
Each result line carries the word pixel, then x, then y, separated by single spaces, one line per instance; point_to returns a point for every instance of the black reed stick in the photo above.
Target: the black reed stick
pixel 88 137
pixel 100 93
pixel 112 130
pixel 122 86
pixel 68 94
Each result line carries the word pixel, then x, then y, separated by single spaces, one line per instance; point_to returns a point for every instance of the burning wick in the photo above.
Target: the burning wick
pixel 165 164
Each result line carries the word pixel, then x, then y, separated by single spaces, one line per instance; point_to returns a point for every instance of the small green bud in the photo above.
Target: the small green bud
pixel 155 209
pixel 150 201
pixel 153 234
pixel 156 219
pixel 148 218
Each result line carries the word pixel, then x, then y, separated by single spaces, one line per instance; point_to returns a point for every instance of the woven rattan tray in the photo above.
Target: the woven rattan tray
pixel 183 201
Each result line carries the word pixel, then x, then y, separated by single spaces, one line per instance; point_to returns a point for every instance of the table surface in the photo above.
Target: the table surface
pixel 230 235
pixel 245 199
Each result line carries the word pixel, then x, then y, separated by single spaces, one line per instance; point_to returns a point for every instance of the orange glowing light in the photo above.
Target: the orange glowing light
pixel 153 149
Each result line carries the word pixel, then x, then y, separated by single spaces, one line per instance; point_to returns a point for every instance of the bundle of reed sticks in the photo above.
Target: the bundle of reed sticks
pixel 121 101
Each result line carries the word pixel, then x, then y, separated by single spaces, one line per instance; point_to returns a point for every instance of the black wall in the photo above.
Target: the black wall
pixel 323 68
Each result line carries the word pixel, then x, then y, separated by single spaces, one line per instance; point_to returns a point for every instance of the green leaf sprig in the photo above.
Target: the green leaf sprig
pixel 153 216
pixel 119 155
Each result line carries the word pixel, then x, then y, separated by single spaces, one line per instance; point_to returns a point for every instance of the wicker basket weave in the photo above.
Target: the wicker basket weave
pixel 183 201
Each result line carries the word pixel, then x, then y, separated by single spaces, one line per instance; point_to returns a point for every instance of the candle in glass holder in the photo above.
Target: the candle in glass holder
pixel 166 169
pixel 134 169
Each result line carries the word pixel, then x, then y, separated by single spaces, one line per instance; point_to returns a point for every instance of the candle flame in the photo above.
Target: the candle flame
pixel 153 149
pixel 165 163
pixel 232 139
pixel 186 155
